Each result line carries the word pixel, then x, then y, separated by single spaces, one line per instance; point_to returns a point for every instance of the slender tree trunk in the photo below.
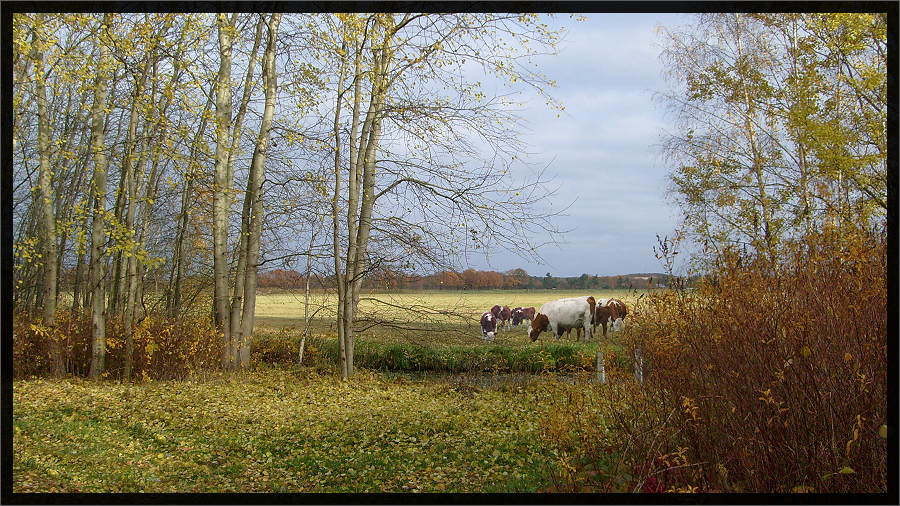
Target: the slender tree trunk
pixel 78 291
pixel 312 240
pixel 353 202
pixel 802 97
pixel 46 208
pixel 257 176
pixel 240 273
pixel 161 125
pixel 222 187
pixel 359 243
pixel 65 196
pixel 749 113
pixel 135 181
pixel 336 222
pixel 180 255
pixel 98 238
pixel 357 146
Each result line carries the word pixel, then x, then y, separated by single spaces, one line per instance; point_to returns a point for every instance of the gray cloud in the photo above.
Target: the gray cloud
pixel 602 148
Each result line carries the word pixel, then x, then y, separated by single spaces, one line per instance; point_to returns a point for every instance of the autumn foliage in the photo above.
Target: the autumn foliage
pixel 163 348
pixel 775 373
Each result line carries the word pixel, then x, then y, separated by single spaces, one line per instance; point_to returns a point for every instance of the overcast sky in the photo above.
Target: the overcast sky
pixel 604 150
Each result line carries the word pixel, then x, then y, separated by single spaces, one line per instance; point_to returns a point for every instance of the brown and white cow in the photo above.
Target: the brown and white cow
pixel 517 316
pixel 612 312
pixel 528 313
pixel 496 311
pixel 618 318
pixel 560 315
pixel 488 325
pixel 505 317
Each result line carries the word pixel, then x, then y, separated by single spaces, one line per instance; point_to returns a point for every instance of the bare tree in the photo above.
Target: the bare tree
pixel 440 180
pixel 254 197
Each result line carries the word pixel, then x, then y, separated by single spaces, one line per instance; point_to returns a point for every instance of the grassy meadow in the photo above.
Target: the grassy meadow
pixel 433 408
pixel 436 317
pixel 277 430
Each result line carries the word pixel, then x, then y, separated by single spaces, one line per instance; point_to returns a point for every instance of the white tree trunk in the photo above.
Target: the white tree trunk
pixel 98 236
pixel 254 189
pixel 222 189
pixel 47 202
pixel 237 298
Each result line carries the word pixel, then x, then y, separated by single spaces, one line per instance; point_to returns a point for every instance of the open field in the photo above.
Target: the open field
pixel 437 318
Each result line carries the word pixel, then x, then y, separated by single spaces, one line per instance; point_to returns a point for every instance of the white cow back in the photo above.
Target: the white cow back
pixel 571 312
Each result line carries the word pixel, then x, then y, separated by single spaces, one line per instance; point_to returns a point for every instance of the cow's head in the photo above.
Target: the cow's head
pixel 540 324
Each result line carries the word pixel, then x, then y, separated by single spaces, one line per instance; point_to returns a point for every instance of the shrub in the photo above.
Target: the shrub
pixel 282 348
pixel 163 348
pixel 776 372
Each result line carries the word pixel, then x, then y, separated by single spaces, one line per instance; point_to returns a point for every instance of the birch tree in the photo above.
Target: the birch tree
pixel 254 216
pixel 45 189
pixel 777 135
pixel 390 70
pixel 222 187
pixel 98 238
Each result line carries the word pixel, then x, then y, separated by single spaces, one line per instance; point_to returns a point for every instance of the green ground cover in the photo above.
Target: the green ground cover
pixel 432 408
pixel 279 430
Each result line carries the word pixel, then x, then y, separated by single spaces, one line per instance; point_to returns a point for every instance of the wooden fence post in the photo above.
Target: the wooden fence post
pixel 600 367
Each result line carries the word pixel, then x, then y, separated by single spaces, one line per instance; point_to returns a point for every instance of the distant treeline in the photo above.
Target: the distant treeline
pixel 472 279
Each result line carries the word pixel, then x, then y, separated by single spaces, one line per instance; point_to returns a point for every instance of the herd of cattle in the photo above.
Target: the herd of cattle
pixel 558 316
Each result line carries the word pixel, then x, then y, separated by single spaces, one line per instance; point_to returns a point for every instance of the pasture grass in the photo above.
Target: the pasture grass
pixel 283 308
pixel 441 333
pixel 281 430
pixel 435 318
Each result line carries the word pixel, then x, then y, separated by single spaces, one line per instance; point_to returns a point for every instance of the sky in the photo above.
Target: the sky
pixel 603 152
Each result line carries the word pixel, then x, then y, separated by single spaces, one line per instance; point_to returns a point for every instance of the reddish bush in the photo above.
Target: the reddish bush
pixel 776 372
pixel 163 348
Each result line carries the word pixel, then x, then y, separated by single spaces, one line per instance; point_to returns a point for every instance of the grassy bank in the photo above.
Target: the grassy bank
pixel 555 356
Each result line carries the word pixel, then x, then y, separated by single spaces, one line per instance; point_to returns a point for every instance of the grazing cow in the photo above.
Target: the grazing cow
pixel 518 314
pixel 602 316
pixel 618 318
pixel 560 315
pixel 488 325
pixel 505 316
pixel 594 306
pixel 528 314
